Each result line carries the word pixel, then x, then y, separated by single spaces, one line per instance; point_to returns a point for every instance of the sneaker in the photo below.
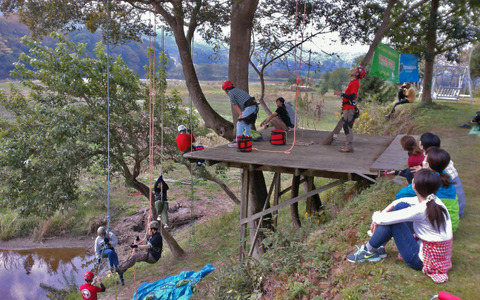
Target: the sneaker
pixel 363 255
pixel 232 145
pixel 122 282
pixel 381 252
pixel 345 150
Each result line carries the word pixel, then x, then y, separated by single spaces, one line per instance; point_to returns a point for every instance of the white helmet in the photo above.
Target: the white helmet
pixel 181 128
pixel 101 231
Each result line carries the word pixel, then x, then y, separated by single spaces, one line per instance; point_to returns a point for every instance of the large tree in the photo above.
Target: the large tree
pixel 127 21
pixel 58 133
pixel 444 28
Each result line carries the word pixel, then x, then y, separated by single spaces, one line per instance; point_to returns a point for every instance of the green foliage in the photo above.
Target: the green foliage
pixel 60 130
pixel 336 80
pixel 13 226
pixel 475 63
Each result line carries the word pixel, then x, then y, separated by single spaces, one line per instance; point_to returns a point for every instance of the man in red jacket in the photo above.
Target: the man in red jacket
pixel 88 290
pixel 349 104
pixel 184 139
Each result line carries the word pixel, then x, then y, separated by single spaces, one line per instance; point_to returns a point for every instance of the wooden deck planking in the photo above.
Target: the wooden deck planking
pixel 308 154
pixel 394 157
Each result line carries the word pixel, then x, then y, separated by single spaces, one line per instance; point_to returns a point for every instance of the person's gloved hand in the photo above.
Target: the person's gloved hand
pixel 106 240
pixel 133 246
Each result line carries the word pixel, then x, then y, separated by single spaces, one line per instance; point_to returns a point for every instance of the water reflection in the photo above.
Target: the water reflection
pixel 23 273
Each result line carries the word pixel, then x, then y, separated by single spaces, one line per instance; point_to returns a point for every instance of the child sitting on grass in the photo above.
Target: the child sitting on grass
pixel 415 158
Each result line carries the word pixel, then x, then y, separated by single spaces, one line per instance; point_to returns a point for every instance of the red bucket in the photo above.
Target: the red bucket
pixel 244 143
pixel 278 137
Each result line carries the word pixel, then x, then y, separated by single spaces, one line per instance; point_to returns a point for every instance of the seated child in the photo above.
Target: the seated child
pixel 415 158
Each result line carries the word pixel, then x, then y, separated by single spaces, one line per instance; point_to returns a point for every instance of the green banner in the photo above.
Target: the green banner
pixel 385 63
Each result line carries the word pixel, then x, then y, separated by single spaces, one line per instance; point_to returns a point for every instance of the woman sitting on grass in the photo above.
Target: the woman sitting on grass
pixel 423 217
pixel 437 159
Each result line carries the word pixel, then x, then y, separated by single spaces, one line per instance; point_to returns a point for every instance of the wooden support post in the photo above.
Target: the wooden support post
pixel 259 223
pixel 308 186
pixel 294 206
pixel 243 211
pixel 276 197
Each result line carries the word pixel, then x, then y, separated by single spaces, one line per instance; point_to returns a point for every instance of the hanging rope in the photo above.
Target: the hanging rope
pixel 192 168
pixel 108 116
pixel 297 73
pixel 151 129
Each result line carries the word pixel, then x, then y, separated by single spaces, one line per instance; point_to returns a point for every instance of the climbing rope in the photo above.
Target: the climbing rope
pixel 108 115
pixel 151 130
pixel 297 73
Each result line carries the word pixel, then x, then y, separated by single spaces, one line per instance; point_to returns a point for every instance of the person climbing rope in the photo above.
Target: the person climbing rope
pixel 161 202
pixel 89 290
pixel 245 106
pixel 349 106
pixel 104 247
pixel 154 245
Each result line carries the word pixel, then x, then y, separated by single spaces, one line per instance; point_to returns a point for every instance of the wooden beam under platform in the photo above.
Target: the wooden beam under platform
pixel 291 201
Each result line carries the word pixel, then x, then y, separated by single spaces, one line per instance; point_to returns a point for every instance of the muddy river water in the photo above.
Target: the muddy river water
pixel 34 273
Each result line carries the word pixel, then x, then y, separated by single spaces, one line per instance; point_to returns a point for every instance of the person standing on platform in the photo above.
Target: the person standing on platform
pixel 349 104
pixel 246 108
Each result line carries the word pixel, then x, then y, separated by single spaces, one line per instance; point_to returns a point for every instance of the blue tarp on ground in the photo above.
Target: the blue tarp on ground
pixel 166 289
pixel 475 129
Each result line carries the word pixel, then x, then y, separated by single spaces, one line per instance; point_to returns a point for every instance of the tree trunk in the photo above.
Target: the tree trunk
pixel 382 29
pixel 430 53
pixel 257 198
pixel 241 26
pixel 314 203
pixel 211 118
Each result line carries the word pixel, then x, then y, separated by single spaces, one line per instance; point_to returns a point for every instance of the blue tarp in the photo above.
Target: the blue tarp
pixel 166 289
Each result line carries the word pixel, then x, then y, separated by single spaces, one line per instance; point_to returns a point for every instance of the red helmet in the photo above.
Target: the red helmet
pixel 361 73
pixel 88 276
pixel 227 84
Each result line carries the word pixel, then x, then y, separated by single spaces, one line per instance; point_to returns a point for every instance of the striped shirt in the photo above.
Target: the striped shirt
pixel 238 97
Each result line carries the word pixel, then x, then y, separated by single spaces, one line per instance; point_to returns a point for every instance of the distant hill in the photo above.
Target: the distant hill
pixel 209 65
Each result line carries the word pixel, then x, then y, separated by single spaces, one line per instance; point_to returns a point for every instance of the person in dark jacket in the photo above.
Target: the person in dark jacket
pixel 280 118
pixel 161 202
pixel 153 247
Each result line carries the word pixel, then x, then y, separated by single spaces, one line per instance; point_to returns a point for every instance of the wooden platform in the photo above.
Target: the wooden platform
pixel 308 157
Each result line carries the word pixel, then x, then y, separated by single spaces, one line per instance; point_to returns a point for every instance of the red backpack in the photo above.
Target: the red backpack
pixel 278 137
pixel 244 143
